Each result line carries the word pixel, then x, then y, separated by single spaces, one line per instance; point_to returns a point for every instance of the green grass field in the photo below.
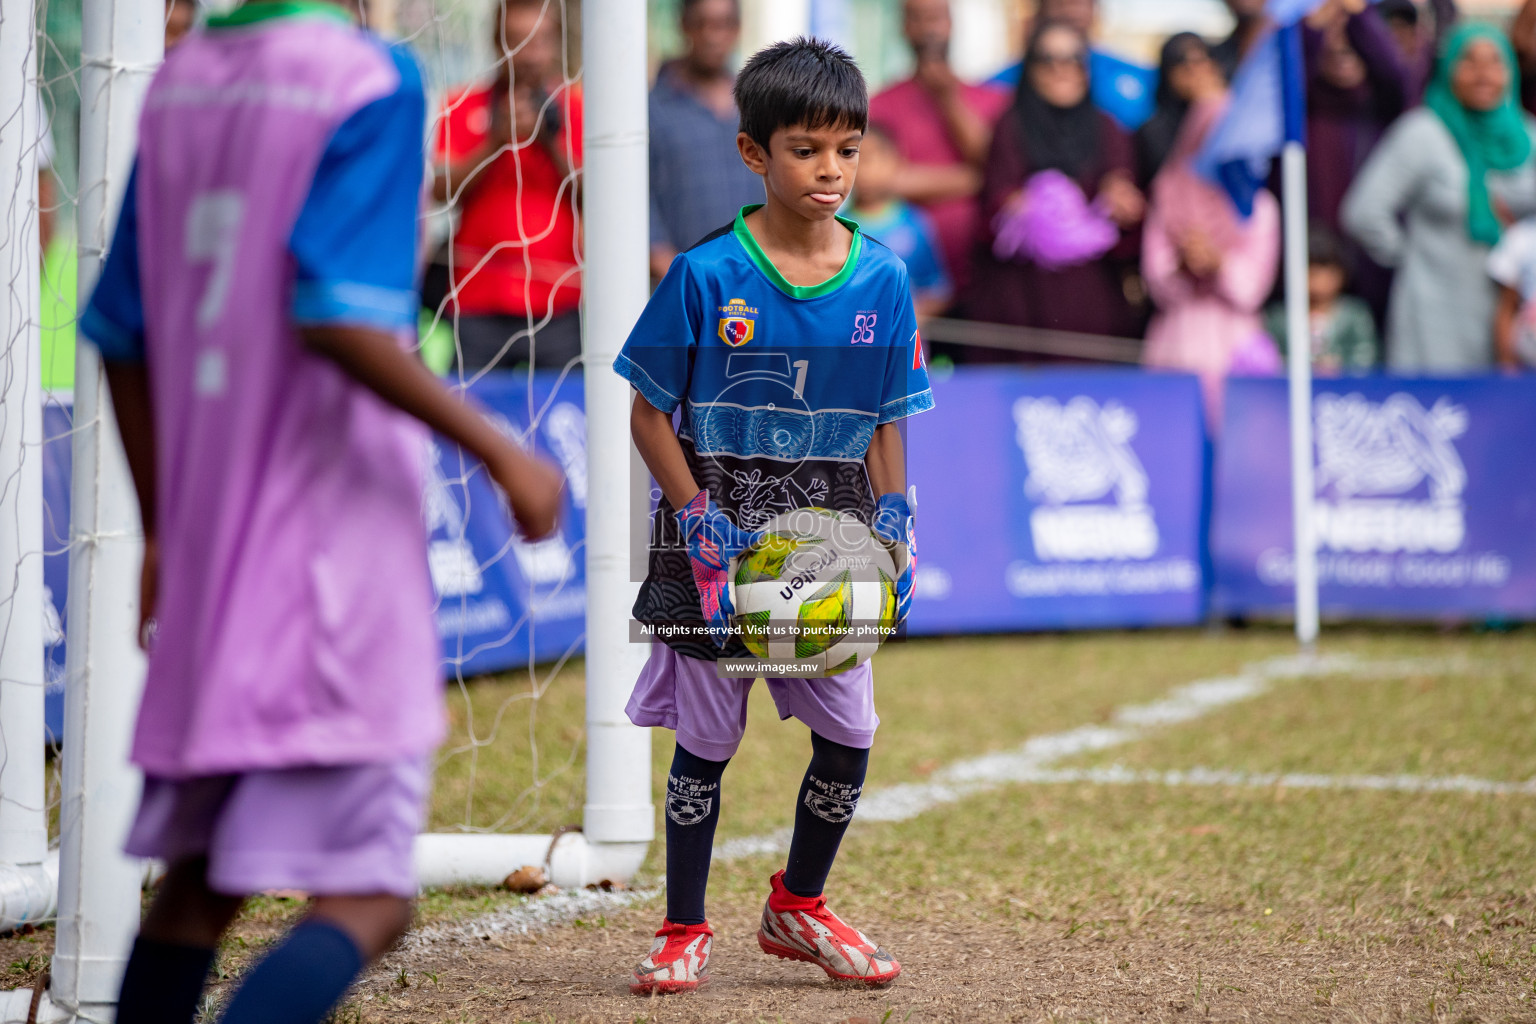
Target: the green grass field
pixel 1073 900
pixel 1108 891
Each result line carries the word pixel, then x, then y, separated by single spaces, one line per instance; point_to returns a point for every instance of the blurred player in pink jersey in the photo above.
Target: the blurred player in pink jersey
pixel 252 315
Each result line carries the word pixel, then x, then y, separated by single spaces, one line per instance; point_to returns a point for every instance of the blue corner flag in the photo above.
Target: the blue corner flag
pixel 1267 109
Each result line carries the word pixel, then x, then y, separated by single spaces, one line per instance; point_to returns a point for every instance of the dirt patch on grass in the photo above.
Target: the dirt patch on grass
pixel 1203 966
pixel 1177 964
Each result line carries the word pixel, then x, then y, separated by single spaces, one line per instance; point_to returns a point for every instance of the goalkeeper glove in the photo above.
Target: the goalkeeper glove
pixel 894 525
pixel 712 541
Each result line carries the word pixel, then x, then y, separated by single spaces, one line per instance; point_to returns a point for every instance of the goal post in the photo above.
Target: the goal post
pixel 121 46
pixel 618 818
pixel 26 876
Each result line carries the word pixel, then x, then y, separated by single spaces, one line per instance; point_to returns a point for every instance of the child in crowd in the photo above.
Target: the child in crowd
pixel 884 216
pixel 1512 264
pixel 1343 332
pixel 789 341
pixel 253 317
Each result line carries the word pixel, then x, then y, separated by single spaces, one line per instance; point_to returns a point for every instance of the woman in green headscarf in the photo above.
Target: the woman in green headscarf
pixel 1436 195
pixel 1475 92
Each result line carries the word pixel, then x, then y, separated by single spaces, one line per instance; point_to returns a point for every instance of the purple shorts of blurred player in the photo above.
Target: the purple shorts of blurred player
pixel 709 713
pixel 342 831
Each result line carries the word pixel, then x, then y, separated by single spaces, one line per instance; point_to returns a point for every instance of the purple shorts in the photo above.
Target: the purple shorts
pixel 709 714
pixel 343 831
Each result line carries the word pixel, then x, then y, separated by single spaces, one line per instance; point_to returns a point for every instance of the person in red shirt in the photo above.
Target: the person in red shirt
pixel 506 151
pixel 942 127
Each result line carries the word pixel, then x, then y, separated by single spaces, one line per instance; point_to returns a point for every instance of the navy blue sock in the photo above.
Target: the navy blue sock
pixel 828 797
pixel 163 983
pixel 693 810
pixel 299 981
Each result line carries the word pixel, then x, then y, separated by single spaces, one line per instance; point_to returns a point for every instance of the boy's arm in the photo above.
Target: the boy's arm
pixel 1504 328
pixel 129 384
pixel 354 251
pixel 375 360
pixel 657 442
pixel 886 461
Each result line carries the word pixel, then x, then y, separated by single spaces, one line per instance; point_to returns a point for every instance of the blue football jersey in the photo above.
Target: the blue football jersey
pixel 778 390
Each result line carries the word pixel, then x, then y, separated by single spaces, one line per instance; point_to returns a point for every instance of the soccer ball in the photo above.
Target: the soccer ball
pixel 819 587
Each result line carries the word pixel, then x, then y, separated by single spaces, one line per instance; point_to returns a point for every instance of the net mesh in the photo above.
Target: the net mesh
pixel 500 319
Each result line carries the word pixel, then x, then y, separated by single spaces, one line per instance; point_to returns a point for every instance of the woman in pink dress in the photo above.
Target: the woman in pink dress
pixel 1209 271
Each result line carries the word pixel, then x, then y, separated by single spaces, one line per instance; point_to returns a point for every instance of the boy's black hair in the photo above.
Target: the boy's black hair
pixel 802 82
pixel 688 5
pixel 1326 249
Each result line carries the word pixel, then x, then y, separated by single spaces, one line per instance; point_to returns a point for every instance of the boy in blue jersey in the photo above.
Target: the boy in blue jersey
pixel 788 342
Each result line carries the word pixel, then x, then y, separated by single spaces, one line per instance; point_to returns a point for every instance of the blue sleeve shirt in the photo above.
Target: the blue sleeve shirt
pixel 114 318
pixel 723 316
pixel 779 390
pixel 356 239
pixel 354 242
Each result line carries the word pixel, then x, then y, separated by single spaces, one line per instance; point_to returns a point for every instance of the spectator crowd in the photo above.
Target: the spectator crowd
pixel 1062 196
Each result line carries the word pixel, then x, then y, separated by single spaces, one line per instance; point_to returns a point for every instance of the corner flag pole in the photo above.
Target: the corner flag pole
pixel 1293 167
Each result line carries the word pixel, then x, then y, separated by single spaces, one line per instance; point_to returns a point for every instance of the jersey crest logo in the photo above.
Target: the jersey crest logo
pixel 736 331
pixel 737 326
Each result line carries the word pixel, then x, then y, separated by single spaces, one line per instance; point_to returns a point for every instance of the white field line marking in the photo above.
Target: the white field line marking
pixel 1119 775
pixel 1027 762
pixel 536 915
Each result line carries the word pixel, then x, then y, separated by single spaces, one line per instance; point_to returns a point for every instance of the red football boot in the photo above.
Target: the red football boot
pixel 678 961
pixel 796 928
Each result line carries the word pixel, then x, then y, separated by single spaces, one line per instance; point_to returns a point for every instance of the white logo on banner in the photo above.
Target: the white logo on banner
pixel 565 428
pixel 1369 455
pixel 455 570
pixel 1076 454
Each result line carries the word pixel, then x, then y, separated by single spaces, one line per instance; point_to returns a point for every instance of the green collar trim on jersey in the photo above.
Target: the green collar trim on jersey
pixel 795 291
pixel 267 10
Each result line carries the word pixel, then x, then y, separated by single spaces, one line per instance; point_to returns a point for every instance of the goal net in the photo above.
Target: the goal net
pixel 523 154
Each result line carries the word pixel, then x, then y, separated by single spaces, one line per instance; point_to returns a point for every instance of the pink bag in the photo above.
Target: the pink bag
pixel 1258 356
pixel 1051 223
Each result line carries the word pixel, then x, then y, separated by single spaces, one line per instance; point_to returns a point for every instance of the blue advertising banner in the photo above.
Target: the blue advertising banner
pixel 1420 509
pixel 1056 499
pixel 504 602
pixel 58 440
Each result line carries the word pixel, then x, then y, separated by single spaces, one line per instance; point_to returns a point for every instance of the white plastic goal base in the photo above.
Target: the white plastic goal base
pixel 448 859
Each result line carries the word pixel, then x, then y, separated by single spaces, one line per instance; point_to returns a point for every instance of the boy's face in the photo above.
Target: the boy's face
pixel 809 172
pixel 1325 283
